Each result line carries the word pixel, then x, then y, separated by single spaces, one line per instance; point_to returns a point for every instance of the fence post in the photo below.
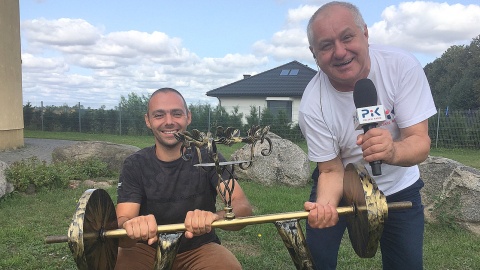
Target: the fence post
pixel 41 113
pixel 120 116
pixel 438 127
pixel 79 118
pixel 208 119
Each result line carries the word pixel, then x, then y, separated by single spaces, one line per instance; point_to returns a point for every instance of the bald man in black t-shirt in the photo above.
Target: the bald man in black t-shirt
pixel 157 186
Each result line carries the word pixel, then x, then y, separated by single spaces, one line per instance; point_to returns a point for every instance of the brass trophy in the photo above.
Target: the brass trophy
pixel 93 235
pixel 195 140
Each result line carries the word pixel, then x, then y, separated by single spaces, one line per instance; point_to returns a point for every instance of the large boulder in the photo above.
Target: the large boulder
pixel 287 164
pixel 5 187
pixel 451 192
pixel 111 153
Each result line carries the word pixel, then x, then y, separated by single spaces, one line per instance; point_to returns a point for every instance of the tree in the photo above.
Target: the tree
pixel 133 109
pixel 235 118
pixel 201 117
pixel 455 77
pixel 254 117
pixel 28 113
pixel 266 118
pixel 473 71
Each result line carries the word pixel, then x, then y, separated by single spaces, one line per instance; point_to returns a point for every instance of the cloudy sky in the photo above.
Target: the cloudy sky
pixel 94 52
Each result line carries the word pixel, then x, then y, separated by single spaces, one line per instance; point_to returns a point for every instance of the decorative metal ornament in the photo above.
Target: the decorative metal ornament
pixel 95 214
pixel 195 140
pixel 365 226
pixel 294 240
pixel 168 244
pixel 93 234
pixel 93 237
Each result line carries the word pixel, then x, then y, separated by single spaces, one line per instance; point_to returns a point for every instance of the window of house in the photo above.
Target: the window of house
pixel 275 106
pixel 284 72
pixel 291 72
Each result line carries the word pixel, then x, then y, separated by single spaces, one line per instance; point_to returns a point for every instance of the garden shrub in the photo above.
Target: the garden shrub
pixel 33 171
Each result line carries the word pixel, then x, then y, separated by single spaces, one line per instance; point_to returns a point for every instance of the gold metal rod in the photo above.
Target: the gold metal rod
pixel 250 220
pixel 52 239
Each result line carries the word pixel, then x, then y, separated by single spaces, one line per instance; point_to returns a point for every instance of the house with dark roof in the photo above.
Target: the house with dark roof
pixel 278 89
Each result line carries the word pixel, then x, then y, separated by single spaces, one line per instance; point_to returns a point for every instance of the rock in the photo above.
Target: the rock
pixel 5 187
pixel 73 184
pixel 287 164
pixel 89 183
pixel 452 192
pixel 102 185
pixel 96 184
pixel 111 153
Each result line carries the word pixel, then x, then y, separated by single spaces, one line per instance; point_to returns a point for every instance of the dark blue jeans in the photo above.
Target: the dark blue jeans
pixel 401 243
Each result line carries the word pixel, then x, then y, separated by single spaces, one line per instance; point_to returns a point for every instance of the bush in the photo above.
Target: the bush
pixel 84 169
pixel 32 171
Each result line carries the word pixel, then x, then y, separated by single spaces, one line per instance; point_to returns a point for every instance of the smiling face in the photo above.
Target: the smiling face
pixel 340 47
pixel 167 115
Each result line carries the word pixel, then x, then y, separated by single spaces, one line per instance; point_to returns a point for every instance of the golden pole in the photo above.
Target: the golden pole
pixel 345 210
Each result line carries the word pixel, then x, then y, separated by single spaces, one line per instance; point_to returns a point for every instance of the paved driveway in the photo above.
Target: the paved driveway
pixel 41 148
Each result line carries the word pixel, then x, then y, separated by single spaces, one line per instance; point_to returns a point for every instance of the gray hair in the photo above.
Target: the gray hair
pixel 357 17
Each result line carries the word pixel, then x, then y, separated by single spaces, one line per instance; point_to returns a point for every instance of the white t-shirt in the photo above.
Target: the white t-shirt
pixel 326 115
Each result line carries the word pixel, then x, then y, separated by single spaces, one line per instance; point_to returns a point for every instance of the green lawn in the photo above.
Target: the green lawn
pixel 469 157
pixel 25 221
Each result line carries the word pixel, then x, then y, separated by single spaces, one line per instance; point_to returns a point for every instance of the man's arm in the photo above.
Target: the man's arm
pixel 323 213
pixel 412 148
pixel 137 227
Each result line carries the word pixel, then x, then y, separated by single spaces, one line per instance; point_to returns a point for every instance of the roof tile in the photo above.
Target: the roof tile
pixel 270 83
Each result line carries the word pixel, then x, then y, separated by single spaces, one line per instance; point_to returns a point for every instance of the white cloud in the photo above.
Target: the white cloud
pixel 301 14
pixel 88 61
pixel 156 43
pixel 61 32
pixel 71 60
pixel 427 27
pixel 291 42
pixel 423 28
pixel 34 64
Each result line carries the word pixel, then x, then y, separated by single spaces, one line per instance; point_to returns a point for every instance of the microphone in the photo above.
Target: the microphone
pixel 368 114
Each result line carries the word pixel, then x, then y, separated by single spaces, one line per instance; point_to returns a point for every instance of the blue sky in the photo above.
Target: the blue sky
pixel 94 52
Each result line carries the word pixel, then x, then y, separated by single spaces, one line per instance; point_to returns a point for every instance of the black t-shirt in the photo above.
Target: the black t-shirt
pixel 168 190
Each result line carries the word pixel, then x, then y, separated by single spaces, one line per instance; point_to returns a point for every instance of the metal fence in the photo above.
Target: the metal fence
pixel 455 129
pixel 447 129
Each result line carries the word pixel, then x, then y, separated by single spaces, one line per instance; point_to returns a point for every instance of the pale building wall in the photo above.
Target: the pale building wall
pixel 295 107
pixel 11 105
pixel 244 104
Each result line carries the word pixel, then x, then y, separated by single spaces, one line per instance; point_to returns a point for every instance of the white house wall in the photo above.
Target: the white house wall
pixel 244 104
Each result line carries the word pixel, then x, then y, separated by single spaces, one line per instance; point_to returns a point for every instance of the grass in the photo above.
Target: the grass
pixel 139 141
pixel 467 157
pixel 25 220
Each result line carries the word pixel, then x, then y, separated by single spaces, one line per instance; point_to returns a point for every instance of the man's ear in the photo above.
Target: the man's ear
pixel 147 121
pixel 189 118
pixel 365 31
